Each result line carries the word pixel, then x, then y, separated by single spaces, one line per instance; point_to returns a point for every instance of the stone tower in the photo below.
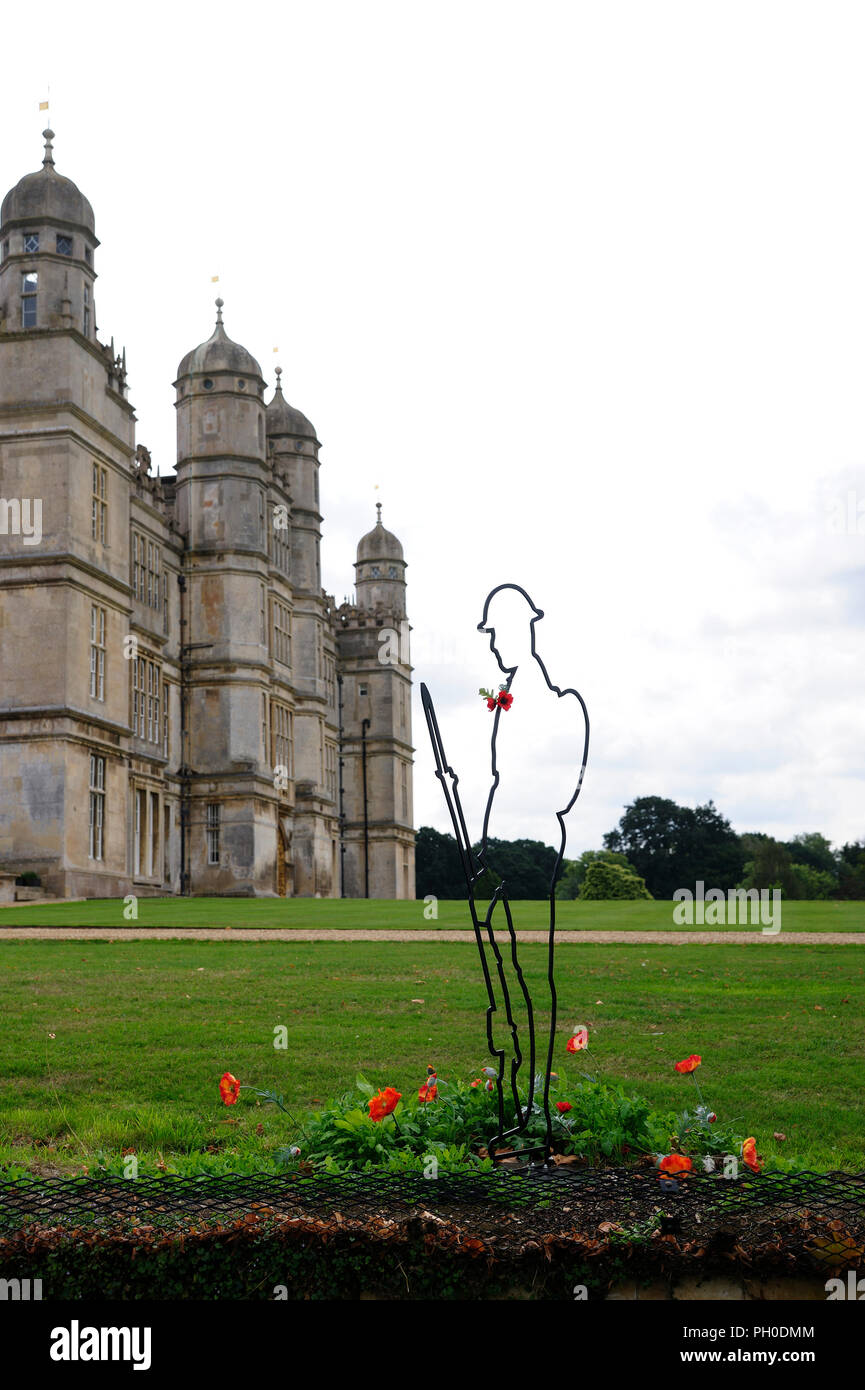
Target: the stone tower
pixel 221 503
pixel 66 446
pixel 309 681
pixel 375 666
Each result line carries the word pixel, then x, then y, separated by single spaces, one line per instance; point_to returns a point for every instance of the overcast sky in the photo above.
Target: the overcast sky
pixel 581 288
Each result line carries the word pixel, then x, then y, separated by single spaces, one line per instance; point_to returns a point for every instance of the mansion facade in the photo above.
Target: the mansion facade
pixel 183 709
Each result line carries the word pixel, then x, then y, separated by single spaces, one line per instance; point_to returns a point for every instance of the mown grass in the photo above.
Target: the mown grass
pixel 144 1030
pixel 409 916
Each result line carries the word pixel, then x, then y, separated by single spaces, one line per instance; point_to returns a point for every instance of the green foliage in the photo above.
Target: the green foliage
pixel 804 868
pixel 344 1137
pixel 694 1135
pixel 667 846
pixel 768 865
pixel 603 1123
pixel 673 846
pixel 851 871
pixel 438 869
pixel 640 1234
pixel 815 851
pixel 574 870
pixel 526 866
pixel 813 884
pixel 265 1259
pixel 605 881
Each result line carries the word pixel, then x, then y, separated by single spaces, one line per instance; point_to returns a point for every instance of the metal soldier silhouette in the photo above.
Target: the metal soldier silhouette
pixel 512 992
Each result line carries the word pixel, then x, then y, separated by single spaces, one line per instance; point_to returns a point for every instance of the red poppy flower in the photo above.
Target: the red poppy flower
pixel 749 1155
pixel 711 1117
pixel 429 1090
pixel 491 703
pixel 579 1041
pixel 563 1106
pixel 229 1088
pixel 505 699
pixel 384 1103
pixel 675 1163
pixel 690 1063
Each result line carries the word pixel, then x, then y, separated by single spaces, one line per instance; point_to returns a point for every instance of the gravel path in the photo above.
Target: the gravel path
pixel 563 938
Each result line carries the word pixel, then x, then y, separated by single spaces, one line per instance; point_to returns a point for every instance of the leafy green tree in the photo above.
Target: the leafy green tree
pixel 574 870
pixel 438 869
pixel 814 850
pixel 673 846
pixel 851 871
pixel 525 867
pixel 811 883
pixel 768 864
pixel 604 881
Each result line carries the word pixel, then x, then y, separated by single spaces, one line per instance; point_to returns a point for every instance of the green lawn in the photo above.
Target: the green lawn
pixel 326 912
pixel 143 1031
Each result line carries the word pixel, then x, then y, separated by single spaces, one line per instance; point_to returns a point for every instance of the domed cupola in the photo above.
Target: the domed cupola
pixel 283 420
pixel 219 356
pixel 379 544
pixel 220 400
pixel 47 196
pixel 380 568
pixel 47 241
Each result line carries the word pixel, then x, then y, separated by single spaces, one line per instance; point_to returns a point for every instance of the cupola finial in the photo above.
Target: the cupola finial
pixel 219 304
pixel 378 510
pixel 48 137
pixel 278 379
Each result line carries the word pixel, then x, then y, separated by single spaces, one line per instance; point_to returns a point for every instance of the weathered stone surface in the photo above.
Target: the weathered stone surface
pixel 633 1292
pixel 713 1288
pixel 783 1289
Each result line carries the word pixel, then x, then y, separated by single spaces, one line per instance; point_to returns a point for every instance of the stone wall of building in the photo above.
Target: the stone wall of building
pixel 170 667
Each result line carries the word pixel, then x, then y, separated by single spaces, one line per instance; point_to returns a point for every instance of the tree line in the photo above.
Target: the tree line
pixel 657 847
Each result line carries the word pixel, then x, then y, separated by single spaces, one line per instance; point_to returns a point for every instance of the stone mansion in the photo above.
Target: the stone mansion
pixel 183 709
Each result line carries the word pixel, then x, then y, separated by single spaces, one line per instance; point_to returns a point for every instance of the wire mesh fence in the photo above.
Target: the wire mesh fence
pixel 547 1199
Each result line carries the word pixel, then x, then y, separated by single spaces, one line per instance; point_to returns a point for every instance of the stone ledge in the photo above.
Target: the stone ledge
pixel 717 1288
